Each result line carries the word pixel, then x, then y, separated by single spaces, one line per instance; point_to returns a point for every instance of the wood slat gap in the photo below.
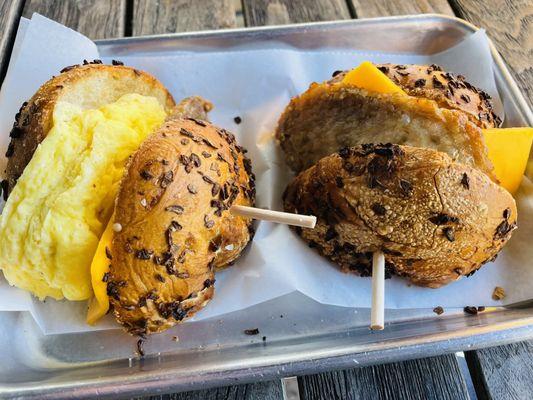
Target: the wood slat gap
pixel 503 371
pixel 351 9
pixel 474 366
pixel 128 18
pixel 239 15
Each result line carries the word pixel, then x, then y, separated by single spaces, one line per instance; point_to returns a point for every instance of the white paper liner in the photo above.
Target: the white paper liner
pixel 256 84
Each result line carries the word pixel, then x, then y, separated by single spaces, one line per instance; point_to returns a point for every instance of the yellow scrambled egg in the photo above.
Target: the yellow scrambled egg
pixel 55 215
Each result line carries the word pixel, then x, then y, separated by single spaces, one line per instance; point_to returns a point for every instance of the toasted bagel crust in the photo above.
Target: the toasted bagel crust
pixel 435 220
pixel 173 207
pixel 448 90
pixel 88 86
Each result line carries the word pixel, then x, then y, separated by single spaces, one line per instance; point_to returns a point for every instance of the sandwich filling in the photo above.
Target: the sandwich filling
pixel 52 222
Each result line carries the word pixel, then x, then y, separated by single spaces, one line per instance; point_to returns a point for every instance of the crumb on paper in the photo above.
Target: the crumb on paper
pixel 438 310
pixel 472 310
pixel 237 120
pixel 175 338
pixel 251 332
pixel 264 338
pixel 498 293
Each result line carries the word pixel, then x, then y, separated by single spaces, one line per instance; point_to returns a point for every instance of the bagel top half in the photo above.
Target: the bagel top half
pixel 68 151
pixel 448 90
pixel 88 86
pixel 332 115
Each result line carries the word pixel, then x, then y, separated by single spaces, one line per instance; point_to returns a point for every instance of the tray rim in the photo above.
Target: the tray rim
pixel 500 64
pixel 141 382
pixel 290 27
pixel 423 345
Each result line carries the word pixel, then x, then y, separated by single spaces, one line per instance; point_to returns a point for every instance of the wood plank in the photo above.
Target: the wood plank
pixel 279 12
pixel 96 19
pixel 381 8
pixel 429 378
pixel 253 391
pixel 509 25
pixel 503 372
pixel 10 11
pixel 169 16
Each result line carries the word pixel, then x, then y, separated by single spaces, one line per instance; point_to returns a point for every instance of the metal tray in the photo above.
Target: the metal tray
pixel 306 337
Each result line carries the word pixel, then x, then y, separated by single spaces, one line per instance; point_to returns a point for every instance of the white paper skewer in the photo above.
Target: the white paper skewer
pixel 305 221
pixel 377 319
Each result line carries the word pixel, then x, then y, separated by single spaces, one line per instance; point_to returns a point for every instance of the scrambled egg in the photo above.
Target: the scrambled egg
pixel 55 215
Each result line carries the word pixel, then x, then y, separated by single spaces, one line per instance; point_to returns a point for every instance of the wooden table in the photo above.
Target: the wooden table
pixel 504 372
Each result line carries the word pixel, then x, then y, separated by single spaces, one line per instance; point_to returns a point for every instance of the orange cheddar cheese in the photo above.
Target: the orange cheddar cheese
pixel 509 152
pixel 99 303
pixel 368 76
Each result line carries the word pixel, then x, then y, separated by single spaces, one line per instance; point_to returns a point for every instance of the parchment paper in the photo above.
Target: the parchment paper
pixel 256 84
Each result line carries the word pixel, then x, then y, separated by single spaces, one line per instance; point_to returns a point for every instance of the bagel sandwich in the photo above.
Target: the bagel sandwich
pixel 435 199
pixel 101 146
pixel 68 148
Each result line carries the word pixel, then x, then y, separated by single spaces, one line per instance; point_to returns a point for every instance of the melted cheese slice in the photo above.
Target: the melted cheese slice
pixel 509 152
pixel 99 304
pixel 508 148
pixel 368 76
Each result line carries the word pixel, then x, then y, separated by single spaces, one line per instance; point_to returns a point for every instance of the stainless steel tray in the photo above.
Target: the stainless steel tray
pixel 306 336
